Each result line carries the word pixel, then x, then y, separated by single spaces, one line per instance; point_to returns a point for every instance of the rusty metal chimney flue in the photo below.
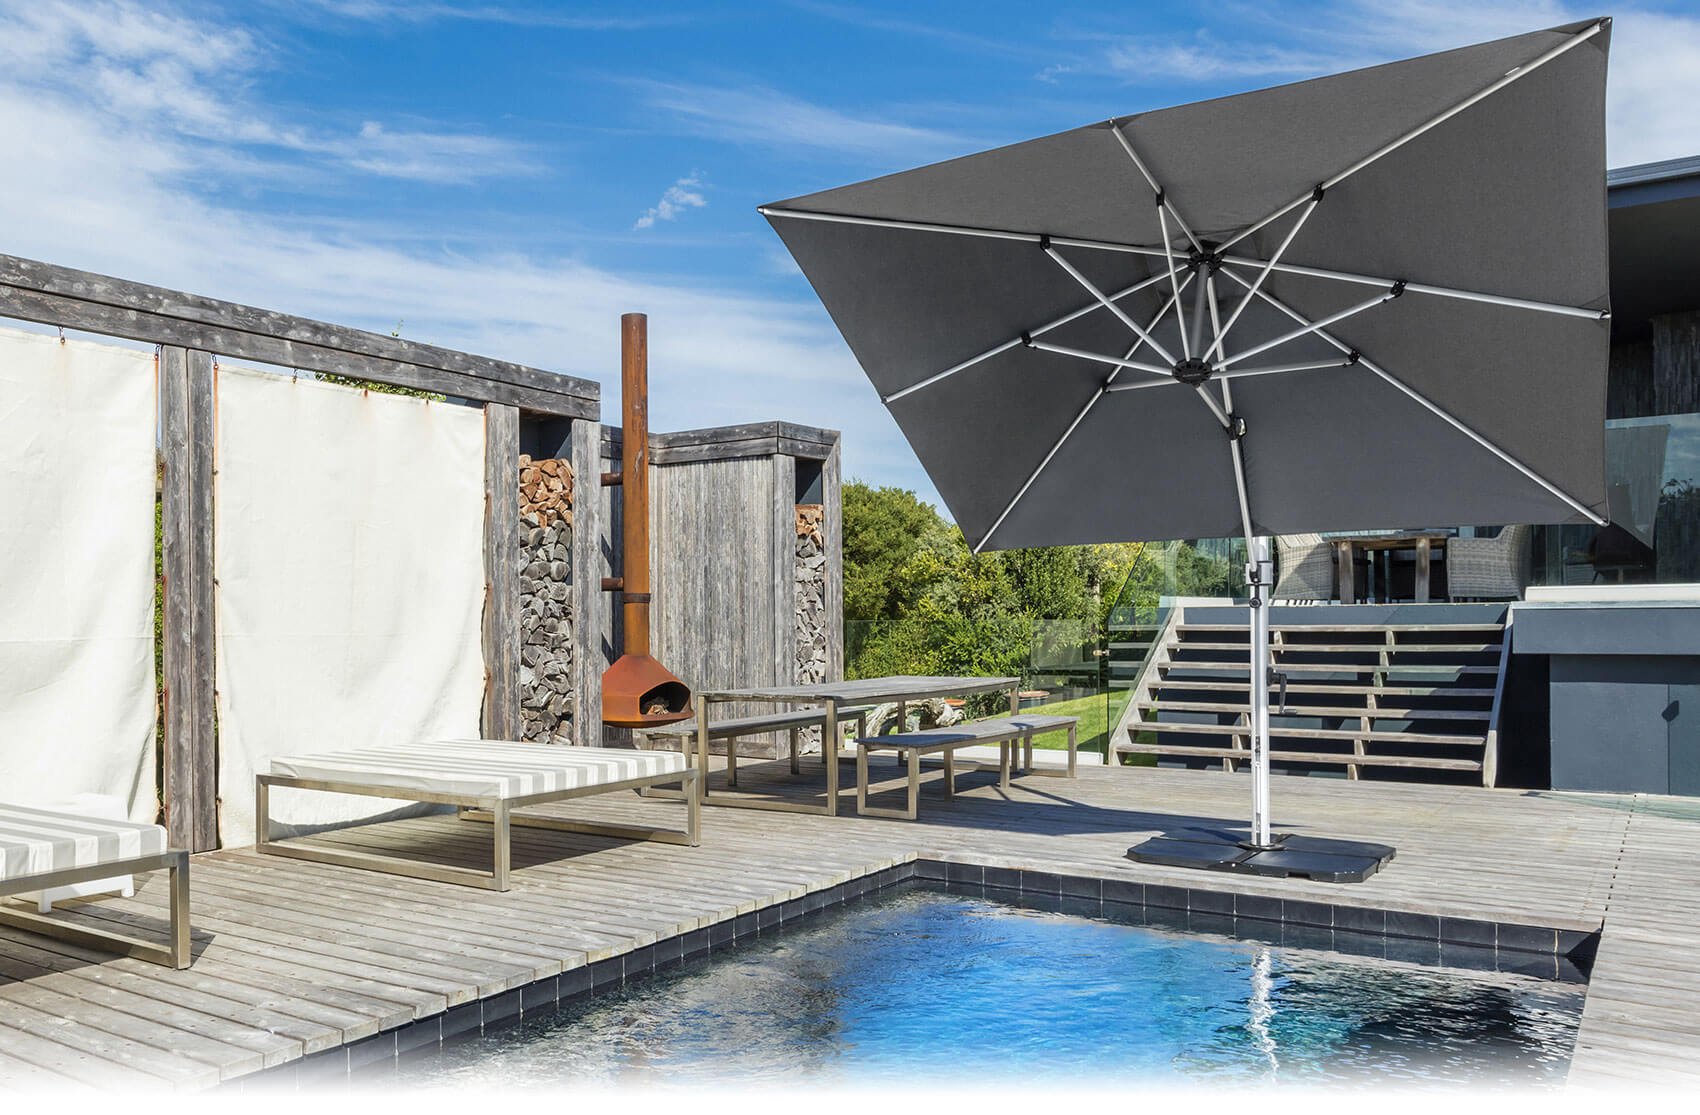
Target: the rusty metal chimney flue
pixel 637 691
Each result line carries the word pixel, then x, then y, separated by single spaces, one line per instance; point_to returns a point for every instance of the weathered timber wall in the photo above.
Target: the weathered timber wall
pixel 723 555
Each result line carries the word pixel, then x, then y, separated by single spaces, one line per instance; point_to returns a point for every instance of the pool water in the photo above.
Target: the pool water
pixel 923 984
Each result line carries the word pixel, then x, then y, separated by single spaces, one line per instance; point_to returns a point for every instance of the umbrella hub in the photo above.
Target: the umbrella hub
pixel 1193 371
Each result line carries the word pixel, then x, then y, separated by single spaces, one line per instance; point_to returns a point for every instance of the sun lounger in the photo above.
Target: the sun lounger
pixel 42 849
pixel 488 780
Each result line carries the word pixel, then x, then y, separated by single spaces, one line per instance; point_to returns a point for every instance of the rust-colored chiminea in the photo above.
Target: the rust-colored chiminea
pixel 637 691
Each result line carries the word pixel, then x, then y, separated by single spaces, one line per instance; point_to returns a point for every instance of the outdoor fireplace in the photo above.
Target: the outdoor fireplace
pixel 637 691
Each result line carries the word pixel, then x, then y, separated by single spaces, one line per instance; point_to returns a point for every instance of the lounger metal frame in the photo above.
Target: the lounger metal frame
pixel 174 954
pixel 498 811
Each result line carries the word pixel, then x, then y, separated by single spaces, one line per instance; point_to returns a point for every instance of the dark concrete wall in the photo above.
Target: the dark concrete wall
pixel 1623 692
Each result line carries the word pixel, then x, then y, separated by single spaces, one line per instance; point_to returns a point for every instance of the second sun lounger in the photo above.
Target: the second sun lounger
pixel 488 780
pixel 42 848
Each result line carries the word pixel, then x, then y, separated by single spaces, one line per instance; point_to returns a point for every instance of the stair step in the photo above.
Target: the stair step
pixel 1352 648
pixel 1343 628
pixel 1303 757
pixel 1396 712
pixel 1336 667
pixel 1313 687
pixel 1344 735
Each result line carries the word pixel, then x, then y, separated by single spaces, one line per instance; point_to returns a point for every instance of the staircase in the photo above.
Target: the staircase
pixel 1382 690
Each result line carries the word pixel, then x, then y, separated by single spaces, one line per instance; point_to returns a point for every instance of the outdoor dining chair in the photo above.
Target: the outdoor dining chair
pixel 1495 568
pixel 1306 567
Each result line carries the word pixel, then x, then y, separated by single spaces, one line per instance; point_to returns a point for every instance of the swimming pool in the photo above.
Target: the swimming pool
pixel 923 983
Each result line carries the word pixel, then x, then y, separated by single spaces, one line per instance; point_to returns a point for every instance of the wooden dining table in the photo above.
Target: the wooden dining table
pixel 1424 542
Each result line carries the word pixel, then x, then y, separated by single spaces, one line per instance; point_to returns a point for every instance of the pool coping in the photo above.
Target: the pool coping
pixel 1350 929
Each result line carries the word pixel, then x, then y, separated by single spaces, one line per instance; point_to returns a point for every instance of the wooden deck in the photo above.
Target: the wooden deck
pixel 295 959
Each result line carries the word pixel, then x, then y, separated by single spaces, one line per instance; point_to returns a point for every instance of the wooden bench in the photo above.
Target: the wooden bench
pixel 792 721
pixel 1008 732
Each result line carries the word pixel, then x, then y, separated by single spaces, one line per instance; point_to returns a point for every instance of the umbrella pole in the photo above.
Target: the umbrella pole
pixel 1260 575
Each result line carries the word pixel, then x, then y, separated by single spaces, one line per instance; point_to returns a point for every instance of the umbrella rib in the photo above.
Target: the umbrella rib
pixel 1014 342
pixel 1078 419
pixel 1169 257
pixel 1435 408
pixel 1426 288
pixel 1140 249
pixel 1268 266
pixel 1309 327
pixel 1080 353
pixel 1163 202
pixel 1066 434
pixel 1092 289
pixel 1524 70
pixel 1241 373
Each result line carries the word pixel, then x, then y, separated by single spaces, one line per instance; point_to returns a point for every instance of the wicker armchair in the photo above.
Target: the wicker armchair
pixel 1490 568
pixel 1306 566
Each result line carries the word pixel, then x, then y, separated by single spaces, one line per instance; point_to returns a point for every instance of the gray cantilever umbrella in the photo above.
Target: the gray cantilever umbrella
pixel 1374 299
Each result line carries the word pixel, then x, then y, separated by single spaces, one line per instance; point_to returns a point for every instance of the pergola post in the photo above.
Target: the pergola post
pixel 186 510
pixel 501 719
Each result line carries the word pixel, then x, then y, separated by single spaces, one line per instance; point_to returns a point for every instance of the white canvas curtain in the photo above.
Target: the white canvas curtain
pixel 77 695
pixel 349 556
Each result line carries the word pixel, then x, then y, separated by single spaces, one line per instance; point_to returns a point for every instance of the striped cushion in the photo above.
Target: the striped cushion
pixel 36 841
pixel 480 768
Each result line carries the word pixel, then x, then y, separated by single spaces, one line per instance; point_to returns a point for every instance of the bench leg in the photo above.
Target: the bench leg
pixel 1073 740
pixel 949 773
pixel 731 760
pixel 1027 753
pixel 796 764
pixel 914 784
pixel 1004 750
pixel 503 849
pixel 861 780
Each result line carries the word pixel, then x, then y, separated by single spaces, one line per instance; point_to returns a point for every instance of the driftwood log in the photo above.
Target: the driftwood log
pixel 934 712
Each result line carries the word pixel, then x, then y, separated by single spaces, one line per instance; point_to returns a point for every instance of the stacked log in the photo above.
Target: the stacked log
pixel 809 595
pixel 545 593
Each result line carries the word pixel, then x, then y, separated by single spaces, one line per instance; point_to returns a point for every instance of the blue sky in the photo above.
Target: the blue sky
pixel 509 178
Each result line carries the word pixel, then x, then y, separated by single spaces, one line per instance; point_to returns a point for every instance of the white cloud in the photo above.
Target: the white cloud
pixel 768 118
pixel 129 196
pixel 416 11
pixel 1655 67
pixel 684 194
pixel 186 82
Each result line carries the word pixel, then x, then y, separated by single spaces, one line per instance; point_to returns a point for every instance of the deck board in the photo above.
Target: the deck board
pixel 295 957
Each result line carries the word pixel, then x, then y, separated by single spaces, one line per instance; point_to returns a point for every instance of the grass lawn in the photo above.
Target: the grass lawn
pixel 1092 729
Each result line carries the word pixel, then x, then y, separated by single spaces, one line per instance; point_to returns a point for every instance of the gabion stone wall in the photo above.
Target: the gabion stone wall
pixel 810 597
pixel 545 599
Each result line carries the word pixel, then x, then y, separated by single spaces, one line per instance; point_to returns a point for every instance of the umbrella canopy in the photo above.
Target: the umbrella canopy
pixel 1376 299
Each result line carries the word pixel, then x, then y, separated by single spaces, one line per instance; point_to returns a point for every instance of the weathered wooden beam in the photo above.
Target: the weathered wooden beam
pixel 783 569
pixel 501 572
pixel 186 439
pixel 718 443
pixel 590 604
pixel 832 544
pixel 86 286
pixel 141 325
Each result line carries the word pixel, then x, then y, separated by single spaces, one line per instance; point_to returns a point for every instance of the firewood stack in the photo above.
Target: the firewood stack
pixel 545 595
pixel 810 597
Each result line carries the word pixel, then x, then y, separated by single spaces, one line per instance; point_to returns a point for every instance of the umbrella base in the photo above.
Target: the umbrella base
pixel 1306 857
